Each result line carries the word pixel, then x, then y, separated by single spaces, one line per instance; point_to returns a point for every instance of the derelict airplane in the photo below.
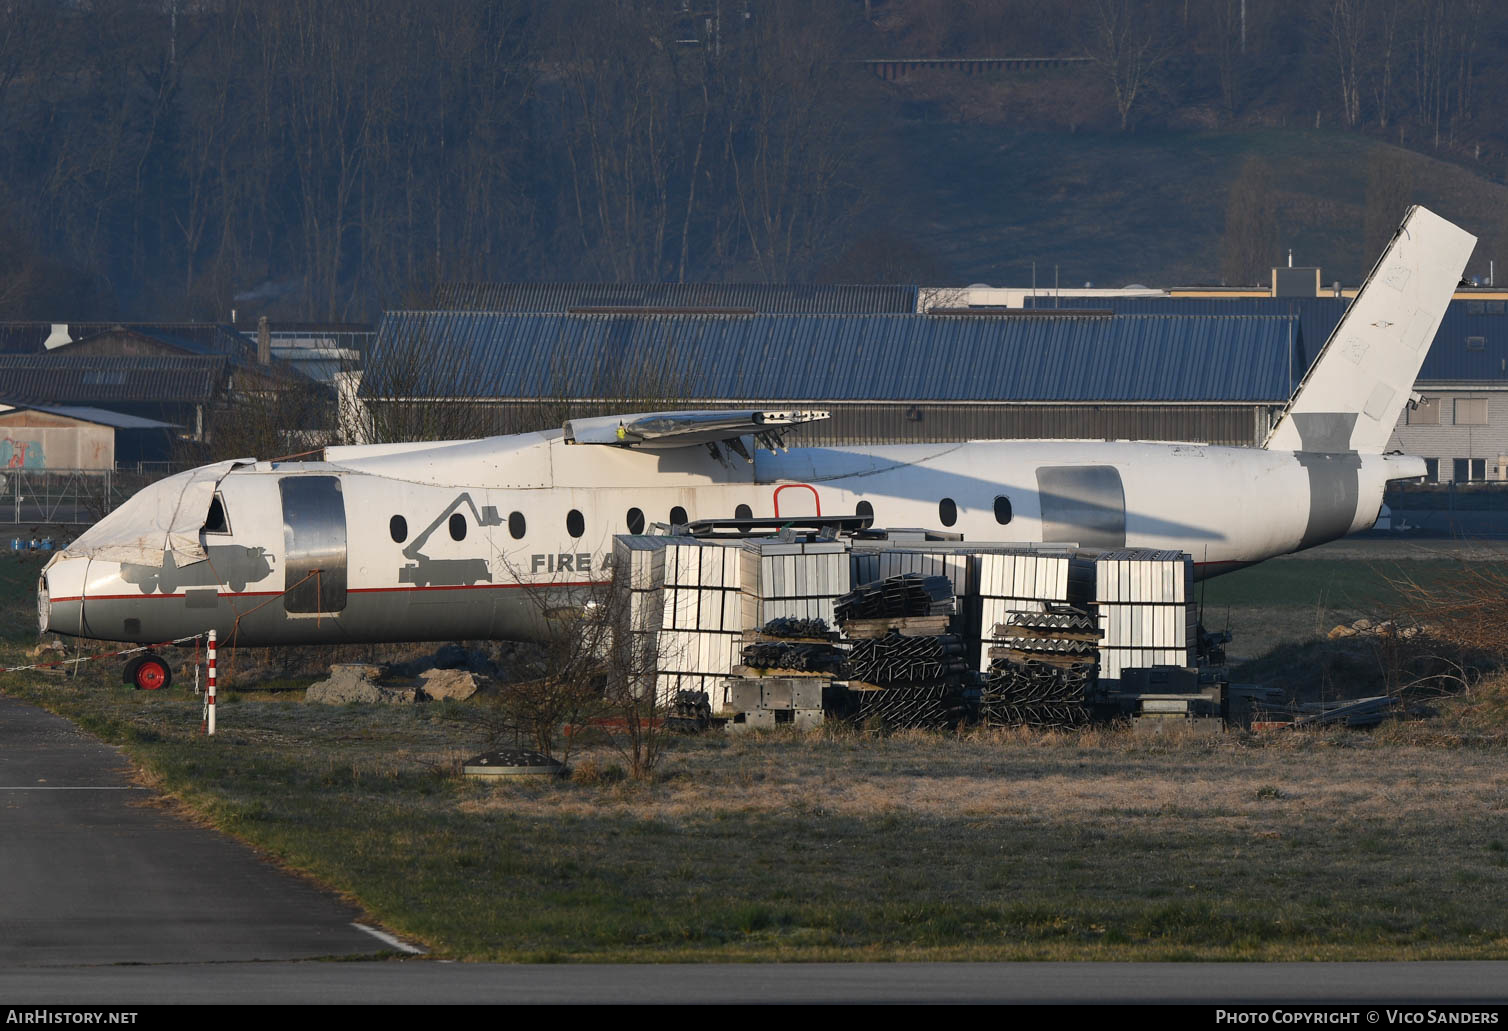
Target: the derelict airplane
pixel 432 541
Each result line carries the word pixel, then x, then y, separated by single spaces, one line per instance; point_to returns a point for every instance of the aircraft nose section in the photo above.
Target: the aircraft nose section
pixel 60 596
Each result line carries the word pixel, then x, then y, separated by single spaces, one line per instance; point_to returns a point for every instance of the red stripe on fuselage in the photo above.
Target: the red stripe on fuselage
pixel 352 590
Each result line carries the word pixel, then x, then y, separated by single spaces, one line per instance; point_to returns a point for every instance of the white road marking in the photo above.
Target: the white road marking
pixel 388 939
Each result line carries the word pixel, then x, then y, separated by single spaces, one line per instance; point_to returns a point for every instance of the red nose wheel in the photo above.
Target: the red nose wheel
pixel 149 673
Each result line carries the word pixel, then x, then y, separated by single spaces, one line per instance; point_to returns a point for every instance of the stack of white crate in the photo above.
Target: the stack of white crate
pixel 1011 581
pixel 639 571
pixel 789 580
pixel 700 634
pixel 1145 607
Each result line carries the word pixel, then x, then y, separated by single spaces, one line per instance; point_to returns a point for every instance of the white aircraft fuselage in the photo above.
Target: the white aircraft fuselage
pixel 1226 506
pixel 455 540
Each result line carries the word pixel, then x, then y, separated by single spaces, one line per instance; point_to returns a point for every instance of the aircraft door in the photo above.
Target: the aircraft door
pixel 314 544
pixel 1083 504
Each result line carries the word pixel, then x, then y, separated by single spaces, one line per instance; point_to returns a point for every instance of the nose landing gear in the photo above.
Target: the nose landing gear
pixel 147 672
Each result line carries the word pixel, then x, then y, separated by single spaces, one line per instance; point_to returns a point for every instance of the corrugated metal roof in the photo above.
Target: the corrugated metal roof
pixel 834 357
pixel 85 413
pixel 763 298
pixel 1470 346
pixel 195 337
pixel 65 378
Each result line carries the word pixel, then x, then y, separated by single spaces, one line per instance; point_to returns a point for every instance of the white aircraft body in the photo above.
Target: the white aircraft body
pixel 445 540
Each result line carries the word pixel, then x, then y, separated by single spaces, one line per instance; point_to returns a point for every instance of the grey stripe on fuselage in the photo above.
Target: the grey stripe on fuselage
pixel 1334 471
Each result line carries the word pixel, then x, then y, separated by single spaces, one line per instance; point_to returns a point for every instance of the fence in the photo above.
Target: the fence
pixel 37 497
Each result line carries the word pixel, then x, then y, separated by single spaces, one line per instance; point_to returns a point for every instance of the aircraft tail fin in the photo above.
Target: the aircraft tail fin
pixel 1350 398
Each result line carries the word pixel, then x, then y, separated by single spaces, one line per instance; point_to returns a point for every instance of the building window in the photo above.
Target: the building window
pixel 397 529
pixel 1478 469
pixel 1471 411
pixel 947 511
pixel 1460 470
pixel 1476 343
pixel 575 524
pixel 1432 470
pixel 1425 413
pixel 1494 307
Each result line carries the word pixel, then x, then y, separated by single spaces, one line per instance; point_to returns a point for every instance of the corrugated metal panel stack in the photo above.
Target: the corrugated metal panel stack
pixel 1145 613
pixel 701 628
pixel 791 580
pixel 1017 581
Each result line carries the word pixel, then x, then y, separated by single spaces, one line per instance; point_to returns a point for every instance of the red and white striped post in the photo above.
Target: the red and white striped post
pixel 209 701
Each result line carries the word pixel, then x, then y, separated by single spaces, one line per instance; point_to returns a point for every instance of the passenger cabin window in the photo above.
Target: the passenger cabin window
pixel 866 511
pixel 575 523
pixel 458 527
pixel 216 522
pixel 678 516
pixel 397 528
pixel 635 521
pixel 516 525
pixel 947 511
pixel 743 512
pixel 1002 509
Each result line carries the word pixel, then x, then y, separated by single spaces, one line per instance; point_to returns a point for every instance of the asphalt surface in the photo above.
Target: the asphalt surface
pixel 107 898
pixel 93 870
pixel 423 982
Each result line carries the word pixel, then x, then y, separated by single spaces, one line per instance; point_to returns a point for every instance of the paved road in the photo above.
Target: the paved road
pixel 92 872
pixel 421 982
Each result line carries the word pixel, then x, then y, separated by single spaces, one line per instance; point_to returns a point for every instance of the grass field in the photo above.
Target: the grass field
pixel 1104 844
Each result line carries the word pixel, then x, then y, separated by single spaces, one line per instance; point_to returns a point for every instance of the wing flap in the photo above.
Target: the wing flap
pixel 686 429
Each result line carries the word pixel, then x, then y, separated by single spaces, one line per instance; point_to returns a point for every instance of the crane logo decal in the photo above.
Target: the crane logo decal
pixel 424 571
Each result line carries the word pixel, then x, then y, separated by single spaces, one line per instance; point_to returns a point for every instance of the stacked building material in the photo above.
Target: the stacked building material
pixel 1146 616
pixel 904 667
pixel 639 577
pixel 1011 582
pixel 792 579
pixel 1040 673
pixel 702 623
pixel 898 659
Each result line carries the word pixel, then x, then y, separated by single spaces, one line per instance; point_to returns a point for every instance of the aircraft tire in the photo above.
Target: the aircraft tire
pixel 148 673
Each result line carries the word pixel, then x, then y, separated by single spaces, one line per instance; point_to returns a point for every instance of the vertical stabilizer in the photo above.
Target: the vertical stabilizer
pixel 1350 398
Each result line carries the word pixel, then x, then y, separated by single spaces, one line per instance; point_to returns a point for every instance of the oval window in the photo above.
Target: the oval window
pixel 866 510
pixel 397 528
pixel 743 512
pixel 458 527
pixel 678 516
pixel 635 521
pixel 516 525
pixel 947 511
pixel 1002 509
pixel 575 524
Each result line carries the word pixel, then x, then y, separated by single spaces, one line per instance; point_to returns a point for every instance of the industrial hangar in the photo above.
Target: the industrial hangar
pixel 907 364
pixel 519 357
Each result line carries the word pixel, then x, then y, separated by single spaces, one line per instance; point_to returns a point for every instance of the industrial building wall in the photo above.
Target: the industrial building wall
pixel 36 440
pixel 882 423
pixel 1454 426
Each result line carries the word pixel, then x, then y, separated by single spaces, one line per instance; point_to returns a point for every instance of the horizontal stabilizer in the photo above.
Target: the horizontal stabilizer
pixel 685 429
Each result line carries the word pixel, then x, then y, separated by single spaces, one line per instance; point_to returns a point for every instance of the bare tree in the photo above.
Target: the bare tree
pixel 1128 42
pixel 1249 243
